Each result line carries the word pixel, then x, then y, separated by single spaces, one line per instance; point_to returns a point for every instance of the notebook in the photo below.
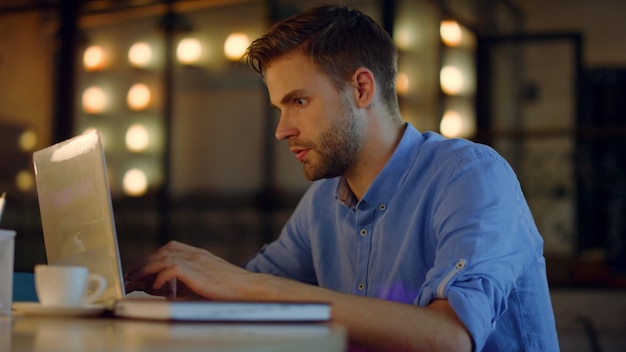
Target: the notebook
pixel 76 209
pixel 79 229
pixel 220 311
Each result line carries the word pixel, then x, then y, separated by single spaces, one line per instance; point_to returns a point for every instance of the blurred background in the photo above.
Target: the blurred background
pixel 189 134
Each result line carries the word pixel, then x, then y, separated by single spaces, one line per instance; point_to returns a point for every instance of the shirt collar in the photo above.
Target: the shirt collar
pixel 390 177
pixel 344 193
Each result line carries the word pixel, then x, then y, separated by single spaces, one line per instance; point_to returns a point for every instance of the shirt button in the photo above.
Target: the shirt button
pixel 382 206
pixel 363 232
pixel 361 286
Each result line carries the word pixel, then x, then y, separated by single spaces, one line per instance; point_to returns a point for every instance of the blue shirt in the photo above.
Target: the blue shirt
pixel 445 218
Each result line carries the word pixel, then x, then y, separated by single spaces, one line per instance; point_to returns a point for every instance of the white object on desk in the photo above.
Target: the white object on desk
pixel 7 249
pixel 64 285
pixel 202 310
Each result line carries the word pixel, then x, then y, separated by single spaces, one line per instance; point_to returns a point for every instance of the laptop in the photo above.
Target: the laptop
pixel 79 229
pixel 76 210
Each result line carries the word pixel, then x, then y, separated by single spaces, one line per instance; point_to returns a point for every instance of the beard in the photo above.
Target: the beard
pixel 337 147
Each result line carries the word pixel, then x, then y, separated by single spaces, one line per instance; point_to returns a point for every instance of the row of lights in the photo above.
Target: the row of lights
pixel 188 52
pixel 95 100
pixel 454 77
pixel 27 142
pixel 457 79
pixel 137 137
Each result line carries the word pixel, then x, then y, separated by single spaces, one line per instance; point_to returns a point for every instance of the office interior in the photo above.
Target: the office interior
pixel 189 133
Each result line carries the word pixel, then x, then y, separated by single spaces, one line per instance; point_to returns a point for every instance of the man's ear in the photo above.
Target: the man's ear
pixel 364 87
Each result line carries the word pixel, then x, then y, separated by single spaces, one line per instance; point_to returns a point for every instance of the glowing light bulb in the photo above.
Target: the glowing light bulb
pixel 138 97
pixel 451 79
pixel 188 51
pixel 94 58
pixel 235 46
pixel 94 100
pixel 137 138
pixel 456 125
pixel 140 54
pixel 450 32
pixel 402 84
pixel 402 38
pixel 24 180
pixel 28 140
pixel 451 124
pixel 135 183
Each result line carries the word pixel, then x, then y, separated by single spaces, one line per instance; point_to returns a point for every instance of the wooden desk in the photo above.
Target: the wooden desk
pixel 31 333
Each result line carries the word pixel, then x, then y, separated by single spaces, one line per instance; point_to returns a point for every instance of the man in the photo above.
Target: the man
pixel 418 242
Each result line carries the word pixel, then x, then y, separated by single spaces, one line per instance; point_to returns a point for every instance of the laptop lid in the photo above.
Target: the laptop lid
pixel 76 210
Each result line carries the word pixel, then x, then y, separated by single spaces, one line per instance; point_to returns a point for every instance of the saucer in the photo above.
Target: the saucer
pixel 34 308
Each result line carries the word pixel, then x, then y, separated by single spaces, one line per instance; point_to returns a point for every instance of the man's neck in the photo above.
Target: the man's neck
pixel 380 144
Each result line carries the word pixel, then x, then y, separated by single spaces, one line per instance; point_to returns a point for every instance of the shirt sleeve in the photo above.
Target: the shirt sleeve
pixel 289 255
pixel 486 239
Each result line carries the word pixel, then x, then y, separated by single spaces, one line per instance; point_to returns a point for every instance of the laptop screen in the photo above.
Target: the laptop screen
pixel 76 210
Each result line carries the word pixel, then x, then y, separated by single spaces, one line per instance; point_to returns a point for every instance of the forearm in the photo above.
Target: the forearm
pixel 371 322
pixel 379 324
pixel 391 326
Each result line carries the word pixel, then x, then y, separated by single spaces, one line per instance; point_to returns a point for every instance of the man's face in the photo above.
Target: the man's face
pixel 319 121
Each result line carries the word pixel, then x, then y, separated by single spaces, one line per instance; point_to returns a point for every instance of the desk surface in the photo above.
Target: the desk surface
pixel 31 333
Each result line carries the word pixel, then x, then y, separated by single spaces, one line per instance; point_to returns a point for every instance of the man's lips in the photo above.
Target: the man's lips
pixel 300 153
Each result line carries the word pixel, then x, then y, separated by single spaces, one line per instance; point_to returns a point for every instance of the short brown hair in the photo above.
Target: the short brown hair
pixel 337 38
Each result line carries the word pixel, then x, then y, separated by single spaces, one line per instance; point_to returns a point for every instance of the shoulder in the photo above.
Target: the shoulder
pixel 431 145
pixel 455 147
pixel 454 153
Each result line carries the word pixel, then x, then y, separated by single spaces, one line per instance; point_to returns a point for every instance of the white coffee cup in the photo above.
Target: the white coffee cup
pixel 63 285
pixel 7 246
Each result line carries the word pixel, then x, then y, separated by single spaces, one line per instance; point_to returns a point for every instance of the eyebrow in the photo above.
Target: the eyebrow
pixel 290 96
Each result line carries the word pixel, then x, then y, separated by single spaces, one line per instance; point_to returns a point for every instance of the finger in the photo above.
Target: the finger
pixel 171 289
pixel 166 275
pixel 172 252
pixel 155 263
pixel 154 256
pixel 180 280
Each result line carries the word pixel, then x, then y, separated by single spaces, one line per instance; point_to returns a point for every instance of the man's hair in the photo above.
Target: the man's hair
pixel 338 39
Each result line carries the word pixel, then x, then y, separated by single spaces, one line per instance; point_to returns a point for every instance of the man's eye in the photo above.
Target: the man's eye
pixel 300 101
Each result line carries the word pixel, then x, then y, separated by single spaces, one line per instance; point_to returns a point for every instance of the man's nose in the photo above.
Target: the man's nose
pixel 285 129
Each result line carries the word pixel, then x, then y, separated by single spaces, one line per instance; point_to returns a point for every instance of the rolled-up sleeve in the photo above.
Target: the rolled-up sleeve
pixel 486 240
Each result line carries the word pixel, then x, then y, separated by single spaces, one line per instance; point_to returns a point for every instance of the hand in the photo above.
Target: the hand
pixel 179 271
pixel 172 289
